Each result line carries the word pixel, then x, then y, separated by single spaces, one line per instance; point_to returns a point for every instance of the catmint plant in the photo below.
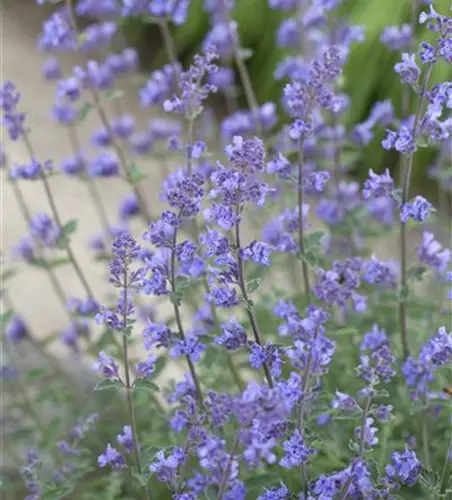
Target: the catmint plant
pixel 330 384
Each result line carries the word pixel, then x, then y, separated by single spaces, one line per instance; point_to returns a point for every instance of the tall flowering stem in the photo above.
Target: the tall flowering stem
pixel 56 216
pixel 304 265
pixel 362 442
pixel 177 315
pixel 92 188
pixel 105 122
pixel 248 305
pixel 48 269
pixel 125 250
pixel 227 471
pixel 403 224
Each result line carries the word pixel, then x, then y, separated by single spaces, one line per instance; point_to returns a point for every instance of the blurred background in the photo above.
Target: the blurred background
pixel 368 77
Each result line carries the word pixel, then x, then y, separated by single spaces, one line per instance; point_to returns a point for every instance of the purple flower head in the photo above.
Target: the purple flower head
pixel 193 91
pixel 369 435
pixel 129 207
pixel 432 253
pixel 224 216
pixel 280 165
pixel 190 347
pixel 125 251
pixel 223 296
pixel 25 249
pixel 408 70
pixel 296 452
pixel 159 86
pixel 44 229
pixel 315 182
pixel 378 185
pixel 289 33
pixel 216 245
pixel 223 79
pixel 380 273
pixel 222 36
pixel 146 368
pixel 98 35
pixel 111 457
pixel 57 34
pixel 176 10
pixel 166 468
pixel 233 336
pixel 124 62
pixel 105 165
pixel 283 492
pixel 67 449
pixel 258 252
pixel 123 126
pixel 16 330
pixel 344 402
pixel 397 37
pixel 247 154
pixel 156 334
pixel 51 69
pixel 125 439
pixel 404 469
pixel 97 8
pixel 12 119
pixel 417 209
pixel 383 412
pixel 402 141
pixel 161 232
pixel 107 366
pixel 438 350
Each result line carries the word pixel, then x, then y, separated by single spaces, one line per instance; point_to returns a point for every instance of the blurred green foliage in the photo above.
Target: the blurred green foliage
pixel 368 75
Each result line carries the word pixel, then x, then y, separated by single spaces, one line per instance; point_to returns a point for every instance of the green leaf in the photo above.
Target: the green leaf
pixel 58 262
pixel 176 297
pixel 346 332
pixel 261 481
pixel 403 294
pixel 84 111
pixel 6 275
pixel 108 384
pixel 5 318
pixel 70 227
pixel 416 273
pixel 111 94
pixel 310 258
pixel 253 285
pixel 160 365
pixel 135 175
pixel 313 240
pixel 145 384
pixel 42 263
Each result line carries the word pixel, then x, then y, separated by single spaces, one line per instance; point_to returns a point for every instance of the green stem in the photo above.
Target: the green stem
pixel 227 471
pixel 50 273
pixel 170 47
pixel 304 266
pixel 403 229
pixel 362 442
pixel 179 320
pixel 57 218
pixel 128 384
pixel 145 213
pixel 248 305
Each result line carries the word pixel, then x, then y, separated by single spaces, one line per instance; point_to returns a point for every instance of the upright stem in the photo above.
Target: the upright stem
pixel 92 188
pixel 130 406
pixel 105 122
pixel 304 266
pixel 426 437
pixel 179 320
pixel 227 471
pixel 403 228
pixel 170 47
pixel 362 442
pixel 248 306
pixel 50 273
pixel 243 72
